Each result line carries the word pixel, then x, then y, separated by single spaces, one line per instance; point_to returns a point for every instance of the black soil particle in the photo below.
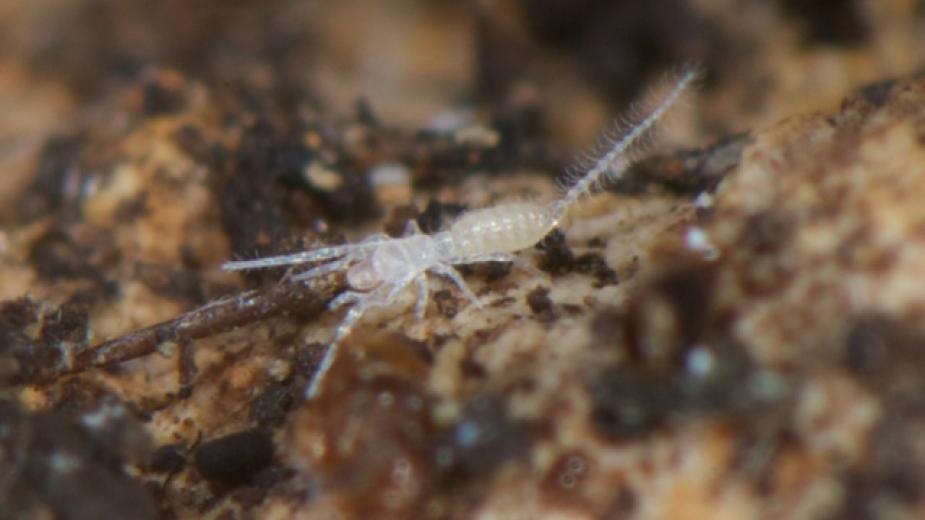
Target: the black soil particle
pixel 447 304
pixel 235 459
pixel 181 284
pixel 55 255
pixel 828 22
pixel 684 172
pixel 767 233
pixel 539 302
pixel 57 172
pixel 628 404
pixel 26 350
pixel 250 195
pixel 162 92
pixel 875 95
pixel 558 259
pixel 271 406
pixel 593 264
pixel 168 458
pixel 437 216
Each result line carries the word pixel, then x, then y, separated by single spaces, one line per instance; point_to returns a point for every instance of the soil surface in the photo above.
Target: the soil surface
pixel 730 330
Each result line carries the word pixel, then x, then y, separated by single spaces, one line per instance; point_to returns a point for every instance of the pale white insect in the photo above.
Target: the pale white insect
pixel 380 267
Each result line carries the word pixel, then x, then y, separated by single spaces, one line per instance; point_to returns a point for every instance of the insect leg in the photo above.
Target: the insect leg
pixel 376 238
pixel 330 267
pixel 363 302
pixel 329 356
pixel 518 261
pixel 412 228
pixel 353 315
pixel 456 278
pixel 343 329
pixel 490 257
pixel 314 255
pixel 527 267
pixel 420 307
pixel 346 297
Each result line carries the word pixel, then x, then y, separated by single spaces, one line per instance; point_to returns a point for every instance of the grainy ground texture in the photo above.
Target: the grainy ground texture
pixel 733 330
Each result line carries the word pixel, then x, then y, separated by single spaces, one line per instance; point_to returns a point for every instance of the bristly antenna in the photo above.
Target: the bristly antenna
pixel 621 152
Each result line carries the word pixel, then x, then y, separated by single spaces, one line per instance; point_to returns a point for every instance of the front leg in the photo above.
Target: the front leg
pixel 330 267
pixel 345 298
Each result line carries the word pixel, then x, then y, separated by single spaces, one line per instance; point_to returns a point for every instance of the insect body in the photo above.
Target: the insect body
pixel 501 229
pixel 380 268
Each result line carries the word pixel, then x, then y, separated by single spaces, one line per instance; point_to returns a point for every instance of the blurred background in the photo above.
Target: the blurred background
pixel 413 60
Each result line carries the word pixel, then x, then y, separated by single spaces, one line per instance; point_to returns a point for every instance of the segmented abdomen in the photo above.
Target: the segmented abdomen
pixel 500 229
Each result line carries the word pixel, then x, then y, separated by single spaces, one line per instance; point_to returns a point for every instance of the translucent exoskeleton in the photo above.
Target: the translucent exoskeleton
pixel 379 268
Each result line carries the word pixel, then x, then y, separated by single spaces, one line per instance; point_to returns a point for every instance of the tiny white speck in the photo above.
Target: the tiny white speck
pixel 99 418
pixel 401 471
pixel 389 175
pixel 468 434
pixel 700 361
pixel 167 349
pixel 61 462
pixel 386 399
pixel 767 385
pixel 321 177
pixel 696 239
pixel 704 200
pixel 446 122
pixel 477 135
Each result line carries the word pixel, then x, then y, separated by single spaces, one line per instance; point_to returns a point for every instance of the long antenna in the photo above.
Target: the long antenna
pixel 619 157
